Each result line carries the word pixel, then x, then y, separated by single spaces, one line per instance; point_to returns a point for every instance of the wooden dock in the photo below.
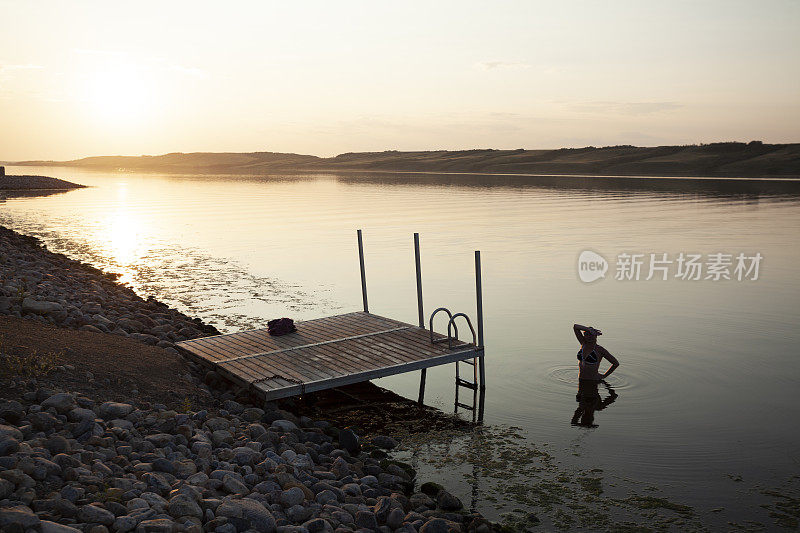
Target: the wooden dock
pixel 325 353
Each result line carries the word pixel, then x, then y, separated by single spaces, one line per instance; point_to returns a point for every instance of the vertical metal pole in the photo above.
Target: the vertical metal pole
pixel 422 385
pixel 363 274
pixel 419 281
pixel 479 299
pixel 421 312
pixel 479 296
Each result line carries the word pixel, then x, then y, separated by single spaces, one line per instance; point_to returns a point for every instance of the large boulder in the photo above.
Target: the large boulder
pixel 94 514
pixel 257 516
pixel 29 305
pixel 183 505
pixel 11 411
pixel 157 525
pixel 18 518
pixel 348 440
pixel 111 410
pixel 63 402
pixel 52 527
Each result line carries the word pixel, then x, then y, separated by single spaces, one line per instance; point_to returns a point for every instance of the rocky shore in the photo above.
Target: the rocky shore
pixel 16 183
pixel 51 288
pixel 88 444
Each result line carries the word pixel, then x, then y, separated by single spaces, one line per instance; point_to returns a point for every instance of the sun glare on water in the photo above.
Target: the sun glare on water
pixel 124 242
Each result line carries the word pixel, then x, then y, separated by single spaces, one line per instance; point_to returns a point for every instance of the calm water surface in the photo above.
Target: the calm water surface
pixel 706 403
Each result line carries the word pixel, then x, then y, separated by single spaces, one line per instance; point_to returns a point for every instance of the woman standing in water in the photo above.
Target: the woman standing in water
pixel 589 357
pixel 591 353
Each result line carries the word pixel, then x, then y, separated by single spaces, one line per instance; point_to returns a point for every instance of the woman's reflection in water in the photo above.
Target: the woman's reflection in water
pixel 589 402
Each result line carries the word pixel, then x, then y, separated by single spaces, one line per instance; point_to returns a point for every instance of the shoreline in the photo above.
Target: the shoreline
pixel 200 171
pixel 94 439
pixel 722 159
pixel 22 182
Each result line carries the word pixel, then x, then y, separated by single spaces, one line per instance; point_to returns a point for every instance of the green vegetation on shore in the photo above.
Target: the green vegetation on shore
pixel 729 159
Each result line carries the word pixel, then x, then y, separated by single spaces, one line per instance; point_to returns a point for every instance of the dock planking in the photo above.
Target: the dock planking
pixel 324 353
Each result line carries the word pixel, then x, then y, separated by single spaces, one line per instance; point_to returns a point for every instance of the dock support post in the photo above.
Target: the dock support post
pixel 363 274
pixel 420 311
pixel 419 281
pixel 479 301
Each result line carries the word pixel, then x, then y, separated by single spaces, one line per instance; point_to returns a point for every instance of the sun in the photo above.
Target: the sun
pixel 120 93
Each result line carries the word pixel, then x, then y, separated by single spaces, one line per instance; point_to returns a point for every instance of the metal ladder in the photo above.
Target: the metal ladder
pixel 452 333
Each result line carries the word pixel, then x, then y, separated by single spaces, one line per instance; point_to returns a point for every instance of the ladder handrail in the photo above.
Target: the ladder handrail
pixel 453 324
pixel 430 323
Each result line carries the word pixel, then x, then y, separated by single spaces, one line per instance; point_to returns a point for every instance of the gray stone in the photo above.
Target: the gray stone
pixel 366 519
pixel 52 527
pixel 245 456
pixel 145 338
pixel 217 423
pixel 326 496
pixel 137 503
pixel 229 508
pixel 448 502
pixel 439 525
pixel 159 440
pixel 11 411
pixel 183 505
pixel 382 441
pixel 292 496
pixel 8 445
pixel 349 441
pixel 10 431
pixel 57 444
pixel 19 517
pixel 111 410
pixel 256 430
pixel 158 525
pixel 340 468
pixel 63 402
pixel 221 436
pixel 79 413
pixel 257 515
pixel 42 421
pixel 420 499
pixel 154 500
pixel 94 514
pixel 318 525
pixel 163 465
pixel 382 509
pixel 234 486
pixel 6 488
pixel 29 305
pixel 121 423
pixel 72 494
pixel 395 518
pixel 126 523
pixel 252 414
pixel 157 482
pixel 298 513
pixel 284 425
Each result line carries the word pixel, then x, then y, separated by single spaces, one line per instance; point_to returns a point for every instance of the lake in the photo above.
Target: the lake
pixel 703 412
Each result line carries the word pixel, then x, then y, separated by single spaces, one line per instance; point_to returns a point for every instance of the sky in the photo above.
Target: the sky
pixel 128 78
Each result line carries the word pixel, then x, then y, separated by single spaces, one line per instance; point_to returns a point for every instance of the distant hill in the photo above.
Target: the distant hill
pixel 730 159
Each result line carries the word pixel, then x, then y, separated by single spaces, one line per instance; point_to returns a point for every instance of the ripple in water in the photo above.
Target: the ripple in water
pixel 568 375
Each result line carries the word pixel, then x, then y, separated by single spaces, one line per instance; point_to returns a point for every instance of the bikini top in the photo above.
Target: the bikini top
pixel 591 359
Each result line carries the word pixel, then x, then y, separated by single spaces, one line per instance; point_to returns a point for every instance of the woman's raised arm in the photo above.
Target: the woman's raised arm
pixel 578 329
